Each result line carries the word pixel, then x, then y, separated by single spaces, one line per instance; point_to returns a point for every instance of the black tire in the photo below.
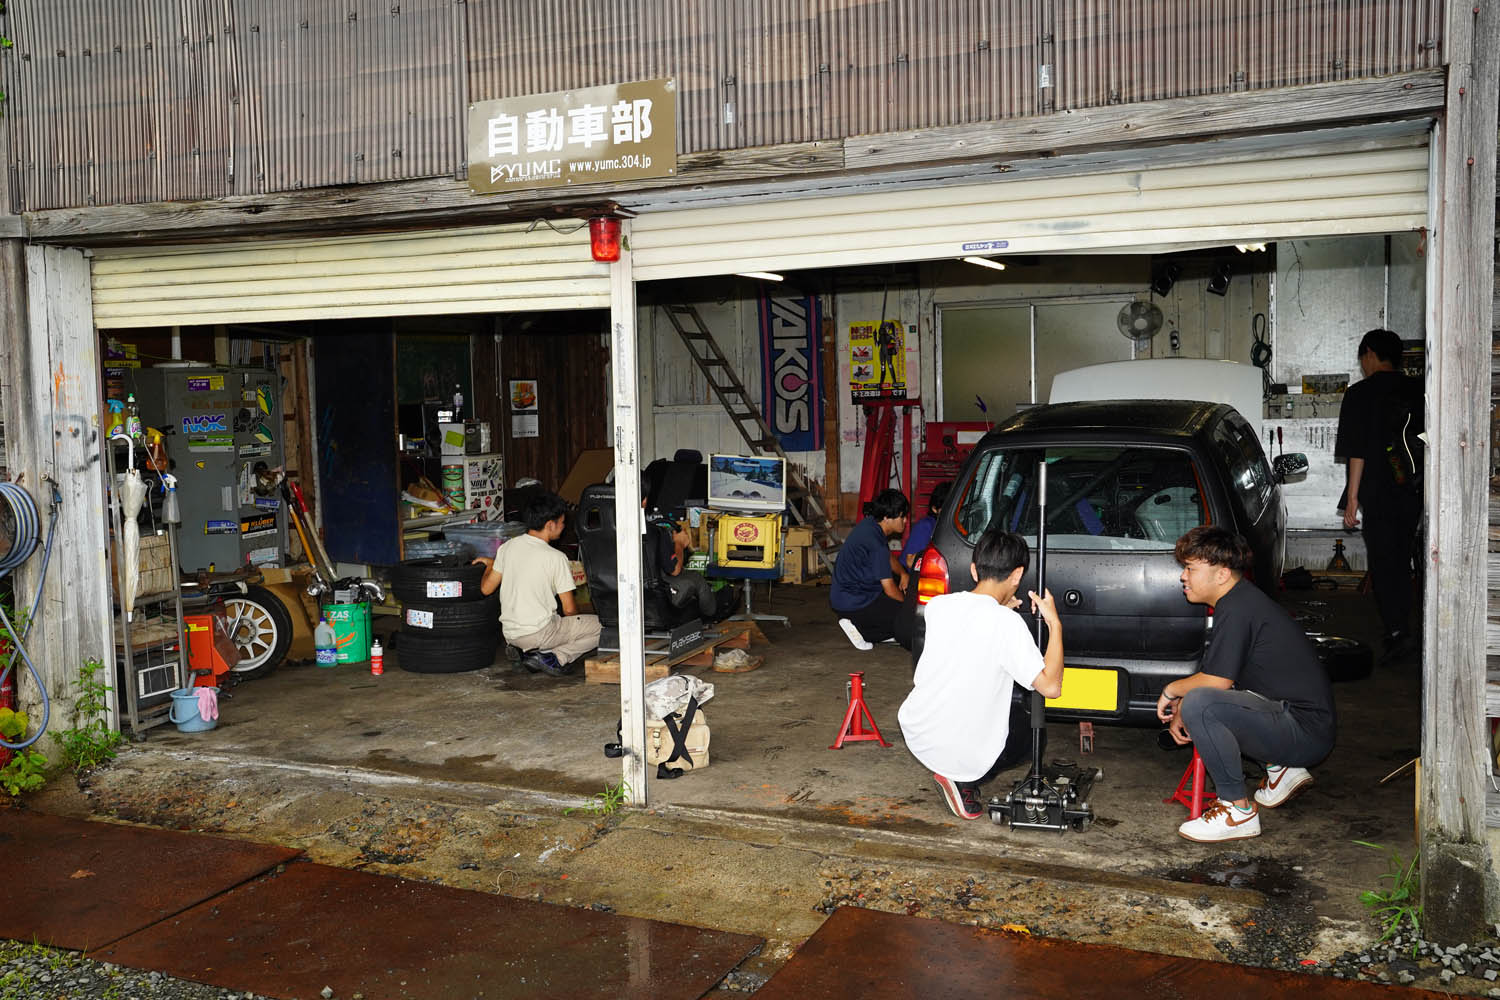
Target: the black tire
pixel 450 615
pixel 262 629
pixel 446 653
pixel 1344 659
pixel 410 581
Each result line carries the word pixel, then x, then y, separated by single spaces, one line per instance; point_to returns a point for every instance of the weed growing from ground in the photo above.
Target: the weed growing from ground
pixel 604 803
pixel 1401 902
pixel 91 741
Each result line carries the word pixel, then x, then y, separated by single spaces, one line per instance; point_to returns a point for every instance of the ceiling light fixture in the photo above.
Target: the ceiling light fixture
pixel 984 262
pixel 762 275
pixel 1250 247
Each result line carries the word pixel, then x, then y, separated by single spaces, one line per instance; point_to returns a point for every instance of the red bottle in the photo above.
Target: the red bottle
pixel 377 658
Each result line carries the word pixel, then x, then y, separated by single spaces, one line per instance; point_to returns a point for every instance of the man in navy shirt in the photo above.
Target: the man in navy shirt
pixel 868 578
pixel 1260 690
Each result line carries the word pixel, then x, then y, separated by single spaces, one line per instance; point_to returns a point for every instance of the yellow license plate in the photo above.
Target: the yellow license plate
pixel 1088 690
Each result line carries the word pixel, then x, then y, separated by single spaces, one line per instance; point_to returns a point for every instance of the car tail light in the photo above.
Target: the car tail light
pixel 932 576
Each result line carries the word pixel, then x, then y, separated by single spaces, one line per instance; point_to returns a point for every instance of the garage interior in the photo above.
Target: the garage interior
pixel 979 343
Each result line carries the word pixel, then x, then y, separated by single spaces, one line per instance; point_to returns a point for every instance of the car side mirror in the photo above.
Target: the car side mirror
pixel 1288 467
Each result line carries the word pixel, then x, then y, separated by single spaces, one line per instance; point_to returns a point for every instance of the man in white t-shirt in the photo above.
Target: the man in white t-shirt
pixel 534 578
pixel 958 719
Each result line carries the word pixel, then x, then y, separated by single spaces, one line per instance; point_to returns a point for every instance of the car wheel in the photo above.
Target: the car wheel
pixel 261 628
pixel 447 616
pixel 1344 659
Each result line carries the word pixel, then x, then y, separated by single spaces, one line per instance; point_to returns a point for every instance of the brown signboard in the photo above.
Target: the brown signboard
pixel 619 132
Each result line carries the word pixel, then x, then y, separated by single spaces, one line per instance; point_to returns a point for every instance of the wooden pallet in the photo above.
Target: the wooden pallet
pixel 605 669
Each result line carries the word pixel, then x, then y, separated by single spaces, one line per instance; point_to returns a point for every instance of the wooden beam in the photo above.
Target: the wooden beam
pixel 1174 120
pixel 1456 871
pixel 443 201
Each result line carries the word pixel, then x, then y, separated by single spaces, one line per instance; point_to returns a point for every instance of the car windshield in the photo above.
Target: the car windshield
pixel 1138 498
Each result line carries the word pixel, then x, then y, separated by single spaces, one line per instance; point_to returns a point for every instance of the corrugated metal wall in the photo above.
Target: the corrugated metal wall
pixel 156 100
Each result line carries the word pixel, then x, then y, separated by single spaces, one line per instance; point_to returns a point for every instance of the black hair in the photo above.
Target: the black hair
pixel 998 553
pixel 1216 546
pixel 1384 344
pixel 939 496
pixel 888 503
pixel 542 509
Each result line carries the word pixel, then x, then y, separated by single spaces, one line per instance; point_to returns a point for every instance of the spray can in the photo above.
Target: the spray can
pixel 377 658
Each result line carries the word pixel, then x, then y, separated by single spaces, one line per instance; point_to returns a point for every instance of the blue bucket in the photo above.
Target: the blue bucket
pixel 185 711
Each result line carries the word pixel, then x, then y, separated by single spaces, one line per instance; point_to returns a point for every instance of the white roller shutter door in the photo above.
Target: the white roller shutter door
pixel 484 270
pixel 1285 193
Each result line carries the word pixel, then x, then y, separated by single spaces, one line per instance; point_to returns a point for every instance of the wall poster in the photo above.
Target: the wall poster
pixel 523 409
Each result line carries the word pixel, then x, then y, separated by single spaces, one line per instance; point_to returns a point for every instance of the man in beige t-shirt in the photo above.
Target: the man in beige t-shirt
pixel 533 578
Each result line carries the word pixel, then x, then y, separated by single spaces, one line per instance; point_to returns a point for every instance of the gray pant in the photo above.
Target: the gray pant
pixel 566 637
pixel 1227 724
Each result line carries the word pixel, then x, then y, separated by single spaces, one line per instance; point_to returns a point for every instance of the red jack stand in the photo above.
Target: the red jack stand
pixel 853 728
pixel 1190 788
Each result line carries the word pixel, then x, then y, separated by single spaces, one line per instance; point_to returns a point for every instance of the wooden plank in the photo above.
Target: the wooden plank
pixel 725 635
pixel 1170 120
pixel 1455 739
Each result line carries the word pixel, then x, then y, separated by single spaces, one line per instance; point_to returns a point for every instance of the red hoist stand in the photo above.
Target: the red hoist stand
pixel 853 728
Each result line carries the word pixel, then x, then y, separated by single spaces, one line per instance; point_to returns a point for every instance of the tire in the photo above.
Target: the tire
pixel 1344 659
pixel 450 615
pixel 261 628
pixel 410 580
pixel 449 653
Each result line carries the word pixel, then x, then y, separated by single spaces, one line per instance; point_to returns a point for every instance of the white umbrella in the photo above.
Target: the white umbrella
pixel 132 495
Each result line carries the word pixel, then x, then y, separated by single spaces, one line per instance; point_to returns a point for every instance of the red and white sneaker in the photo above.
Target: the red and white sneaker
pixel 1222 821
pixel 964 802
pixel 1280 784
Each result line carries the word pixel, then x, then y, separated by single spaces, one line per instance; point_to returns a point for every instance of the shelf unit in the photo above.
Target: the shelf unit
pixel 150 653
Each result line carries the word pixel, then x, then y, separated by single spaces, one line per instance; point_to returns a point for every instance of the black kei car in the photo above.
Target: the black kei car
pixel 1125 479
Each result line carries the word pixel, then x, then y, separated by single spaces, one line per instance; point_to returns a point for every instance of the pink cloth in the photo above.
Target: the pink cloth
pixel 208 703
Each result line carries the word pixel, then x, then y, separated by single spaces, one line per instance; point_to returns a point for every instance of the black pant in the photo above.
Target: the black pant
pixel 690 588
pixel 1017 743
pixel 880 620
pixel 1390 532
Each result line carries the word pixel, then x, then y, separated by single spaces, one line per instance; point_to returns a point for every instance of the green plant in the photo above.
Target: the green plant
pixel 1400 903
pixel 26 772
pixel 606 802
pixel 91 741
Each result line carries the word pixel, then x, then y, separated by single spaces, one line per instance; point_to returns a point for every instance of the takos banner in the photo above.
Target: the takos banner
pixel 877 361
pixel 792 369
pixel 619 132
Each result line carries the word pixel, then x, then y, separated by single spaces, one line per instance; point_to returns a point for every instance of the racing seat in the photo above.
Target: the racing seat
pixel 596 550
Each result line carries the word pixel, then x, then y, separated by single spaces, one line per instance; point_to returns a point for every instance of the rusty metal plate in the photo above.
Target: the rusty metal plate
pixel 310 926
pixel 87 884
pixel 870 954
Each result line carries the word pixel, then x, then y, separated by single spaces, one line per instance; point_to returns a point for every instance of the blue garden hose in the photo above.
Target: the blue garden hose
pixel 28 530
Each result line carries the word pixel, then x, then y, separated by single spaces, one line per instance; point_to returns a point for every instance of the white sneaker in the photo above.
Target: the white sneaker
pixel 1280 784
pixel 854 636
pixel 1222 821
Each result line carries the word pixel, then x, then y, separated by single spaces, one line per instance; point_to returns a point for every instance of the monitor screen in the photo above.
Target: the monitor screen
pixel 740 482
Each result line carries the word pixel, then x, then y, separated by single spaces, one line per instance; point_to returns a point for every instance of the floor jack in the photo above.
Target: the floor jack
pixel 1055 797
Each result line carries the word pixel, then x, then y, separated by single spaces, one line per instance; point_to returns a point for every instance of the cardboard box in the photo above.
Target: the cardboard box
pixel 800 564
pixel 590 467
pixel 451 439
pixel 799 534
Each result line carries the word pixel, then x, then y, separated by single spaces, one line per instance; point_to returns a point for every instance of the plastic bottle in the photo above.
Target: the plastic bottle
pixel 326 643
pixel 132 418
pixel 377 658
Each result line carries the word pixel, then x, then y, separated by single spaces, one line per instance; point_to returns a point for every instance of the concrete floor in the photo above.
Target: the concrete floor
pixel 502 728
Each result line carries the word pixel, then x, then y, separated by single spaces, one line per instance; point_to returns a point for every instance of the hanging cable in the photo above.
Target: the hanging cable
pixel 1260 351
pixel 27 531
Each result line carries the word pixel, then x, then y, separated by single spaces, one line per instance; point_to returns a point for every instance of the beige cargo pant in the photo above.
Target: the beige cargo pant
pixel 566 637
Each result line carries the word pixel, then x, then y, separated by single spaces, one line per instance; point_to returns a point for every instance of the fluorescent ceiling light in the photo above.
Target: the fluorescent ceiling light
pixel 1250 247
pixel 984 262
pixel 762 275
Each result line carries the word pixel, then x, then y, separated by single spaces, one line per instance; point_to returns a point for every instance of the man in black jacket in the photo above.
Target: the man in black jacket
pixel 1378 421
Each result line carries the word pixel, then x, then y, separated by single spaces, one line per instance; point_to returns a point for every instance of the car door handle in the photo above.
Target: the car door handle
pixel 1072 598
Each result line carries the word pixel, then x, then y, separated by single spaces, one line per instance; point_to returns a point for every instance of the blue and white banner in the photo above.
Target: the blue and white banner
pixel 791 330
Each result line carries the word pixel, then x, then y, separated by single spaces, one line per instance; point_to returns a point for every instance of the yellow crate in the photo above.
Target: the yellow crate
pixel 746 541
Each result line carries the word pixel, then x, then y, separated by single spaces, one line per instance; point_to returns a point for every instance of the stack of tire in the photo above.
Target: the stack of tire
pixel 447 625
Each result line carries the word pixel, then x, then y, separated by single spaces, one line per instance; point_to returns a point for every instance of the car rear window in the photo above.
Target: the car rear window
pixel 1140 498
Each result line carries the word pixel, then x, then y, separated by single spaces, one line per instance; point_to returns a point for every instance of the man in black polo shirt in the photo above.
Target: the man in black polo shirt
pixel 1260 690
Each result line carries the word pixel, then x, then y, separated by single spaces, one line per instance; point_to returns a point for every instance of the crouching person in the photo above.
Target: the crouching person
pixel 960 719
pixel 534 580
pixel 1260 691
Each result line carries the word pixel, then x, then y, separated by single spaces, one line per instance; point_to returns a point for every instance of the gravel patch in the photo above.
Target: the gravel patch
pixel 34 972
